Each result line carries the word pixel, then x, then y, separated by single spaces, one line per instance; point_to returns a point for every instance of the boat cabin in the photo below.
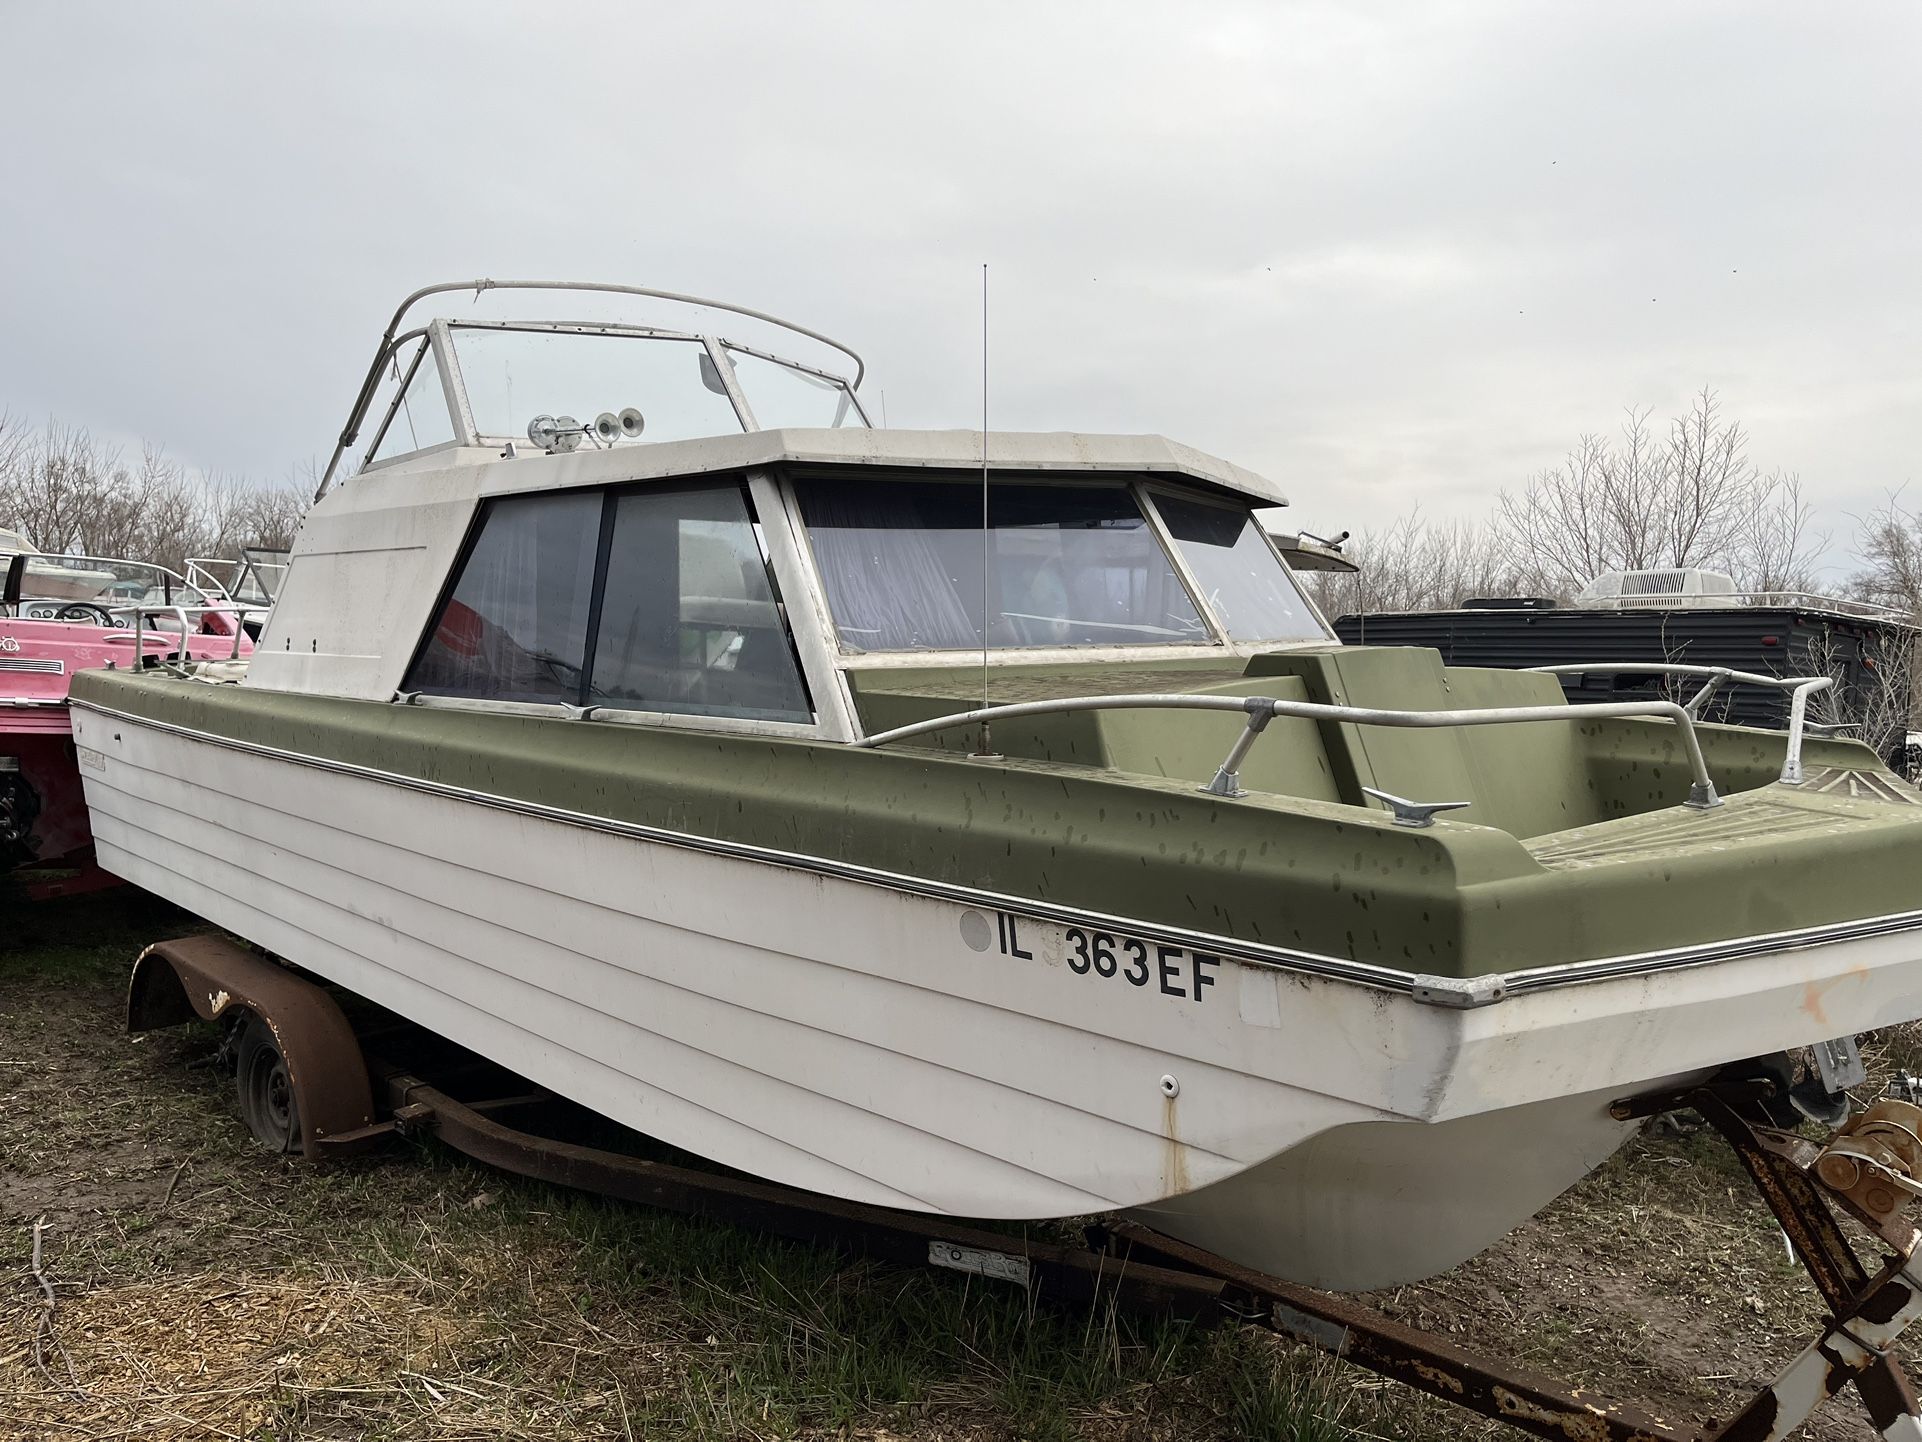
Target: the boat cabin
pixel 694 561
pixel 726 541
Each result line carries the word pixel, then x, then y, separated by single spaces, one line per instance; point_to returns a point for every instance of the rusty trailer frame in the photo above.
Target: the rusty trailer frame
pixel 1870 1171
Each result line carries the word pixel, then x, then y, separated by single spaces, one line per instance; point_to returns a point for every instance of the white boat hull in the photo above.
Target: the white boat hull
pixel 863 1041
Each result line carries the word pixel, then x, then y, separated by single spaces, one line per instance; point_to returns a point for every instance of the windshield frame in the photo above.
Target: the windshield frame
pixel 390 340
pixel 440 338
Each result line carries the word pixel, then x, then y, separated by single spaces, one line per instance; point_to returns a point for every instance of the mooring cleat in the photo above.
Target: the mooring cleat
pixel 1412 813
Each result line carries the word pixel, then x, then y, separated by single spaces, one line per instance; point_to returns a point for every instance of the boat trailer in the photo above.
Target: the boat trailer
pixel 337 1096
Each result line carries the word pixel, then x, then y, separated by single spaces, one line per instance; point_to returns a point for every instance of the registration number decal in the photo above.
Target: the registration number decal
pixel 1111 956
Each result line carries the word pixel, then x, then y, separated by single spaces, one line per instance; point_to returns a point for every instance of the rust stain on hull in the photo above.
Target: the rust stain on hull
pixel 1174 1167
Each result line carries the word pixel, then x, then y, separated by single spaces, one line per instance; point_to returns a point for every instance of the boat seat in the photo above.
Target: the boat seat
pixel 1528 779
pixel 1291 759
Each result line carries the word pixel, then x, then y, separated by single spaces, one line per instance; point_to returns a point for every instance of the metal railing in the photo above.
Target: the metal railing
pixel 1831 605
pixel 183 614
pixel 1799 687
pixel 1261 710
pixel 202 575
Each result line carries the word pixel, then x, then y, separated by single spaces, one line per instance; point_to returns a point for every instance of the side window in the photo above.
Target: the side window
pixel 515 627
pixel 688 618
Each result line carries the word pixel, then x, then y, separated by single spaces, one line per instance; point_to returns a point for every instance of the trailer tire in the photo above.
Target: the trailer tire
pixel 266 1088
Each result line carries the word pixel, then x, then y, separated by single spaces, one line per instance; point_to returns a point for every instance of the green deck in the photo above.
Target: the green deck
pixel 1575 846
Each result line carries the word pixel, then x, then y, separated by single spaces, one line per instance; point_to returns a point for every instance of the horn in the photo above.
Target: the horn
pixel 607 427
pixel 542 433
pixel 567 433
pixel 632 422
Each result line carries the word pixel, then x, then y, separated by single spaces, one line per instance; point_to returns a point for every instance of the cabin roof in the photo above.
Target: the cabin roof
pixel 1067 451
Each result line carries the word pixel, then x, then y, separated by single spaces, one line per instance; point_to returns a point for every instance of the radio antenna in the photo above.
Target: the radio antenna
pixel 986 747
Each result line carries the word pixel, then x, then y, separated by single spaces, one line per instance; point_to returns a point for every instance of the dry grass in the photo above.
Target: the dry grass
pixel 208 1290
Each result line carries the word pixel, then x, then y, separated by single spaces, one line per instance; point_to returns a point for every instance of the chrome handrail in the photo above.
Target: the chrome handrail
pixel 237 610
pixel 1799 687
pixel 1261 710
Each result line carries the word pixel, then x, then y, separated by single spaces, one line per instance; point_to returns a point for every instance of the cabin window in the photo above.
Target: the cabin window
pixel 515 627
pixel 648 599
pixel 688 616
pixel 1241 578
pixel 1067 565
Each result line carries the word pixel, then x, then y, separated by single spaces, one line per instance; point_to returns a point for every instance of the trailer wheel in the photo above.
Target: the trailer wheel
pixel 266 1088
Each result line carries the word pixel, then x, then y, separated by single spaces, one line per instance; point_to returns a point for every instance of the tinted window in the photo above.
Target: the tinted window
pixel 1239 574
pixel 901 561
pixel 688 617
pixel 516 626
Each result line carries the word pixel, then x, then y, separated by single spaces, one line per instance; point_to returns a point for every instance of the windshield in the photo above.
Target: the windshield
pixel 1241 578
pixel 422 419
pixel 263 570
pixel 512 376
pixel 100 583
pixel 1067 565
pixel 781 395
pixel 253 579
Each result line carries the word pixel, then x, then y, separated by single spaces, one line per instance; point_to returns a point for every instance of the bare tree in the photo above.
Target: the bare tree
pixel 1890 550
pixel 1873 696
pixel 1775 548
pixel 73 494
pixel 1642 500
pixel 13 440
pixel 245 514
pixel 1418 565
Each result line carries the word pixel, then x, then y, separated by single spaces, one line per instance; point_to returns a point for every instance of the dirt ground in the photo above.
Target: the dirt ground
pixel 206 1289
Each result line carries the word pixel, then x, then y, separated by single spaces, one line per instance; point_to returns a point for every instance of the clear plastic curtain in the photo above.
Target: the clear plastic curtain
pixel 893 586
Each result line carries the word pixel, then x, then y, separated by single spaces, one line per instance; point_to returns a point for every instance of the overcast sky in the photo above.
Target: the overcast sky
pixel 1387 255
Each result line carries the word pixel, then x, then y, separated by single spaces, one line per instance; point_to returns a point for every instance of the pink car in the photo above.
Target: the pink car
pixel 61 614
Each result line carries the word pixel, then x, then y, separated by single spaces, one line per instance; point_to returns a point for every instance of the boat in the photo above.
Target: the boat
pixel 56 578
pixel 974 824
pixel 60 615
pixel 248 580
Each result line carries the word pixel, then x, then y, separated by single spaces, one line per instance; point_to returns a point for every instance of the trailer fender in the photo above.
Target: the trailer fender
pixel 209 976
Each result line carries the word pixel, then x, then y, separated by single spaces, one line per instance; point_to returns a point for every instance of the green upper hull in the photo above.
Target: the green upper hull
pixel 1575 846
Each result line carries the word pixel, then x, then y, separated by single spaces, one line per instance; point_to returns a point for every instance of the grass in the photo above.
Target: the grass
pixel 209 1290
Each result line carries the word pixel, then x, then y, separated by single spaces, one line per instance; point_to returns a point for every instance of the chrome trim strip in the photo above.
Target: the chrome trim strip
pixel 1573 973
pixel 1452 993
